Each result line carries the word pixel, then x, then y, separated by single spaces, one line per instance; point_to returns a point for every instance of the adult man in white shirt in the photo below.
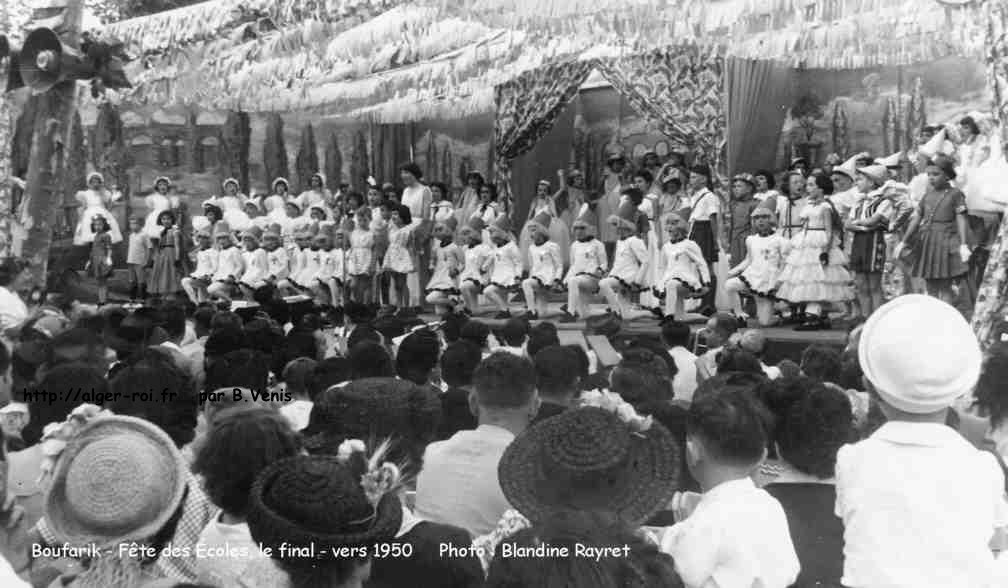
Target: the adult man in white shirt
pixel 676 336
pixel 458 484
pixel 718 331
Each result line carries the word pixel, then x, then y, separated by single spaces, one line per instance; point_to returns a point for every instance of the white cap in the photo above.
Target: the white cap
pixel 919 353
pixel 14 407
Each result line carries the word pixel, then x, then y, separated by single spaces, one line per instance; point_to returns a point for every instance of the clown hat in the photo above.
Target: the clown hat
pixel 253 233
pixel 890 161
pixel 273 231
pixel 875 173
pixel 476 223
pixel 222 229
pixel 541 221
pixel 626 216
pixel 501 223
pixel 586 218
pixel 451 223
pixel 848 168
pixel 938 145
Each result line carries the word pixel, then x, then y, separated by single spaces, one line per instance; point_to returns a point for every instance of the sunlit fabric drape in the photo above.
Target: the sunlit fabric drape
pixel 527 108
pixel 679 88
pixel 992 302
pixel 757 95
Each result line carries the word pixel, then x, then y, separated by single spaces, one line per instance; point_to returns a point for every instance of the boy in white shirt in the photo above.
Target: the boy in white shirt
pixel 196 283
pixel 737 534
pixel 922 508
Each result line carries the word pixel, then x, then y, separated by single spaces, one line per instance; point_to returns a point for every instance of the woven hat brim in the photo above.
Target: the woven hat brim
pixel 272 529
pixel 69 531
pixel 654 459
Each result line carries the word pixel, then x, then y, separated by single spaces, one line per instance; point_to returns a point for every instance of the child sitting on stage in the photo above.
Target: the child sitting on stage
pixel 230 265
pixel 196 283
pixel 398 261
pixel 507 267
pixel 297 253
pixel 312 262
pixel 546 266
pixel 588 263
pixel 320 284
pixel 446 265
pixel 683 271
pixel 757 274
pixel 630 262
pixel 334 267
pixel 478 259
pixel 277 260
pixel 256 264
pixel 361 261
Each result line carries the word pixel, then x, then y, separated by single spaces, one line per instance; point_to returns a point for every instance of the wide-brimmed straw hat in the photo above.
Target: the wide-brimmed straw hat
pixel 589 459
pixel 317 501
pixel 119 479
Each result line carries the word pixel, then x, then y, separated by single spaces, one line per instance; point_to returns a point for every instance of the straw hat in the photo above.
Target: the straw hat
pixel 318 501
pixel 626 216
pixel 541 221
pixel 919 353
pixel 588 459
pixel 875 173
pixel 119 479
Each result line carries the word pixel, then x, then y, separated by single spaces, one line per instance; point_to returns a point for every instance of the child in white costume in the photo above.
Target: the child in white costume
pixel 630 262
pixel 447 263
pixel 195 284
pixel 759 273
pixel 230 264
pixel 506 269
pixel 478 259
pixel 546 266
pixel 682 270
pixel 95 199
pixel 588 263
pixel 157 202
pixel 256 264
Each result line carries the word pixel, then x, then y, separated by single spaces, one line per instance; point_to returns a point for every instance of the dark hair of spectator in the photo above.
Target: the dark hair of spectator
pixel 504 380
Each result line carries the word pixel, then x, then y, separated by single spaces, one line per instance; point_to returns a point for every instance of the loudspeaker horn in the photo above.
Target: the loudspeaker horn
pixel 45 62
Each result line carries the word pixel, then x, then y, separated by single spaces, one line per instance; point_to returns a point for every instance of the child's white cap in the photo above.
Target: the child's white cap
pixel 919 353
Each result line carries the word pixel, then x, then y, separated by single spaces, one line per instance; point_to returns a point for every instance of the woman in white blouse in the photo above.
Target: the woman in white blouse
pixel 417 198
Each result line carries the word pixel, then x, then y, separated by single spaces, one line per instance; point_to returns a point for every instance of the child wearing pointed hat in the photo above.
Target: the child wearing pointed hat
pixel 506 268
pixel 311 262
pixel 894 489
pixel 588 264
pixel 196 283
pixel 277 258
pixel 256 263
pixel 321 283
pixel 447 263
pixel 230 264
pixel 758 273
pixel 546 265
pixel 682 270
pixel 335 263
pixel 478 258
pixel 630 261
pixel 868 221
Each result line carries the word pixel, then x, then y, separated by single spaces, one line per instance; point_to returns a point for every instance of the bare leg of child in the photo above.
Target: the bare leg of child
pixel 470 295
pixel 864 298
pixel 335 292
pixel 875 292
pixel 497 296
pixel 764 311
pixel 612 291
pixel 530 288
pixel 734 287
pixel 220 289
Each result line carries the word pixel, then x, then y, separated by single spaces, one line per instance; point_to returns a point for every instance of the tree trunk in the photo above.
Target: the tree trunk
pixel 306 162
pixel 274 150
pixel 73 178
pixel 51 133
pixel 333 161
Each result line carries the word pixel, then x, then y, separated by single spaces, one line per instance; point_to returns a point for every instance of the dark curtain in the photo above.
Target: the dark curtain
pixel 757 95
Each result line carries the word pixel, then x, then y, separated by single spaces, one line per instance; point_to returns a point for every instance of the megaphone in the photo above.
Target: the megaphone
pixel 45 61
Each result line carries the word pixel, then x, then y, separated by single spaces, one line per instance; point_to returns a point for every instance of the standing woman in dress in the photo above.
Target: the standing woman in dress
pixel 672 200
pixel 417 198
pixel 609 202
pixel 469 199
pixel 939 232
pixel 705 227
pixel 814 272
pixel 571 195
pixel 765 184
pixel 165 277
pixel 95 200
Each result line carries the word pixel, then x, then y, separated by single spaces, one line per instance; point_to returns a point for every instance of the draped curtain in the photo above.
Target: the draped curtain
pixel 679 88
pixel 527 108
pixel 757 93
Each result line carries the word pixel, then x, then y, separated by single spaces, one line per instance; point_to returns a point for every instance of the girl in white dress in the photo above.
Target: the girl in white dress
pixel 157 202
pixel 360 264
pixel 276 200
pixel 588 263
pixel 759 273
pixel 682 270
pixel 544 203
pixel 630 261
pixel 814 273
pixel 506 270
pixel 441 204
pixel 398 262
pixel 232 198
pixel 95 200
pixel 546 266
pixel 256 264
pixel 447 263
pixel 765 184
pixel 476 271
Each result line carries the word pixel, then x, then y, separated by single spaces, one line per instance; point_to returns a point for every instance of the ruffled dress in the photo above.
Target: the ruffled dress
pixel 477 265
pixel 256 268
pixel 805 278
pixel 507 266
pixel 94 205
pixel 101 255
pixel 156 204
pixel 766 260
pixel 311 267
pixel 547 265
pixel 682 264
pixel 398 257
pixel 359 256
pixel 558 231
pixel 631 254
pixel 448 259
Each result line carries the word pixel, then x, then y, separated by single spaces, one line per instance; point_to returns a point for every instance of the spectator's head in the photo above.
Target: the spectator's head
pixel 299 343
pixel 362 334
pixel 814 429
pixel 541 336
pixel 171 403
pixel 172 317
pixel 583 362
pixel 720 328
pixel 736 360
pixel 735 381
pixel 225 319
pixel 558 374
pixel 515 332
pixel 642 378
pixel 61 383
pixel 77 344
pixel 417 356
pixel 505 389
pixel 675 333
pixel 297 375
pixel 822 363
pixel 991 393
pixel 458 363
pixel 370 360
pixel 788 368
pixel 203 320
pixel 240 443
pixel 726 436
pixel 452 326
pixel 244 368
pixel 329 372
pixel 220 342
pixel 477 333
